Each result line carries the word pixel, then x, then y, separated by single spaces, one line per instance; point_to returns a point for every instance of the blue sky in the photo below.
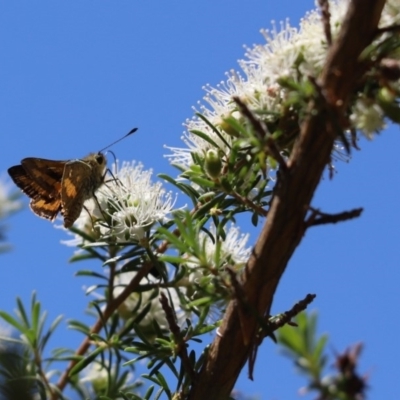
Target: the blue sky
pixel 77 75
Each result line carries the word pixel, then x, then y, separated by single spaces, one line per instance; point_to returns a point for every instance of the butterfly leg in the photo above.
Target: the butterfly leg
pixel 90 216
pixel 105 217
pixel 113 178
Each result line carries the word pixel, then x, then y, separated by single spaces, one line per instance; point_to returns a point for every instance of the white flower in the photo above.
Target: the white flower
pixel 98 375
pixel 289 53
pixel 136 302
pixel 126 206
pixel 367 117
pixel 234 247
pixel 231 252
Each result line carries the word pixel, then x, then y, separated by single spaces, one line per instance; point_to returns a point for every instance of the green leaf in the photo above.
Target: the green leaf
pixel 163 383
pixel 185 188
pixel 22 313
pixel 237 126
pixel 81 257
pixel 85 361
pixel 320 347
pixel 12 321
pixel 158 394
pixel 205 137
pixel 254 218
pixel 92 252
pixel 91 274
pixel 216 131
pixel 203 182
pixel 35 318
pixel 173 259
pixel 171 366
pixel 52 328
pixel 79 326
pixel 149 392
pixel 290 337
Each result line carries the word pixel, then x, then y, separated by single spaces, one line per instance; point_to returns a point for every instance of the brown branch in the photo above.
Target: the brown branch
pixel 390 69
pixel 391 28
pixel 326 19
pixel 176 332
pixel 98 325
pixel 248 203
pixel 286 317
pixel 242 307
pixel 294 191
pixel 319 218
pixel 271 324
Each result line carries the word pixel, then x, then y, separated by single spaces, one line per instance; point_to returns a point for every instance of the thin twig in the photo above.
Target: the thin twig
pixel 279 320
pixel 176 332
pixel 326 19
pixel 272 324
pixel 389 69
pixel 336 125
pixel 319 218
pixel 249 203
pixel 98 325
pixel 262 132
pixel 391 28
pixel 112 268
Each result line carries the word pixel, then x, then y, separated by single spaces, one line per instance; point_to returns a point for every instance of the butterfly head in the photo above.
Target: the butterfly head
pixel 100 159
pixel 97 163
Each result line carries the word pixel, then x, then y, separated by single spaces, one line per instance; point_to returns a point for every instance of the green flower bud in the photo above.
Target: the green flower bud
pixel 213 164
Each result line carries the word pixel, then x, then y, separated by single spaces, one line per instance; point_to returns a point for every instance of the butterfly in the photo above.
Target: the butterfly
pixel 61 186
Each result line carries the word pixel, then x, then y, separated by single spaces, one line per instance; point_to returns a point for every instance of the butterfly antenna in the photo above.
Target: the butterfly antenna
pixel 115 158
pixel 123 137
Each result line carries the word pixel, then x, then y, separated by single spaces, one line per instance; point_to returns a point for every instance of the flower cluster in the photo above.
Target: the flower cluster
pixel 287 59
pixel 126 206
pixel 134 305
pixel 206 270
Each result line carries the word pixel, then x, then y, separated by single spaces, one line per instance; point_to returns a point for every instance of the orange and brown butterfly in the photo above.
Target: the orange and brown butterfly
pixel 61 186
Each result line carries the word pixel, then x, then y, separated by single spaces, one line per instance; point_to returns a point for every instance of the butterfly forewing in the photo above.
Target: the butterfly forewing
pixel 34 179
pixel 46 173
pixel 80 180
pixel 24 181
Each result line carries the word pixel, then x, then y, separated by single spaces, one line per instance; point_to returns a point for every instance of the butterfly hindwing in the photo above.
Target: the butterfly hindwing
pixel 48 209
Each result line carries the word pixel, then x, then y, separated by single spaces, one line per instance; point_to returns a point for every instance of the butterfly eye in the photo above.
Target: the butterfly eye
pixel 100 158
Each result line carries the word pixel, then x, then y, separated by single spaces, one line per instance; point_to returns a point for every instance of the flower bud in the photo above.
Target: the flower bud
pixel 213 164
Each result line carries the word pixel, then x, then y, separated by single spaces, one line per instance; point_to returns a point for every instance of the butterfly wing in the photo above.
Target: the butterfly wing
pixel 75 189
pixel 40 179
pixel 46 208
pixel 45 173
pixel 25 182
